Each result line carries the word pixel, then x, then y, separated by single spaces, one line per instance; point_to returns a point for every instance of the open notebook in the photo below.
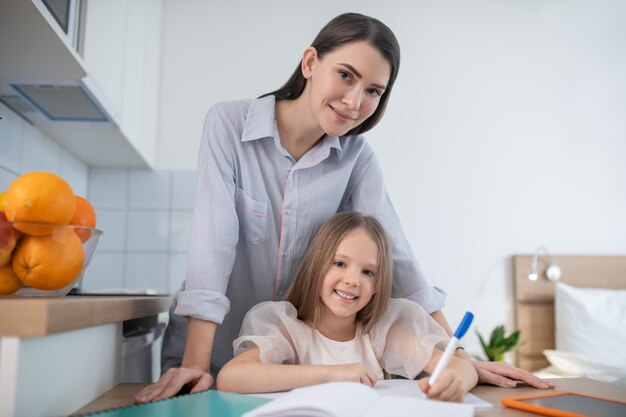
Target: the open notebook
pixel 404 388
pixel 349 399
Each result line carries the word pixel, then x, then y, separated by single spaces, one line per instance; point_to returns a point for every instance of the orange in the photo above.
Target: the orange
pixel 8 239
pixel 84 215
pixel 3 200
pixel 39 197
pixel 49 262
pixel 9 282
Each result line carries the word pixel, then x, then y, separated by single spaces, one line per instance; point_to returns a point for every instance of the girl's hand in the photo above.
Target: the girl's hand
pixel 171 383
pixel 354 372
pixel 448 387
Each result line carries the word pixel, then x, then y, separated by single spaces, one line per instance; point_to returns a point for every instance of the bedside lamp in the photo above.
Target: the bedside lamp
pixel 553 272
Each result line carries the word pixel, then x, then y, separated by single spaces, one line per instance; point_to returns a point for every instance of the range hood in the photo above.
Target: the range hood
pixel 44 80
pixel 46 102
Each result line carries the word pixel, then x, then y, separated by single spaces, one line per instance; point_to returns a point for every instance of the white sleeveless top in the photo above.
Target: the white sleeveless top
pixel 401 342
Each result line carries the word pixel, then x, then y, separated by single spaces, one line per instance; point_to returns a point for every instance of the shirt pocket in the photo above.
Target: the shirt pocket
pixel 252 216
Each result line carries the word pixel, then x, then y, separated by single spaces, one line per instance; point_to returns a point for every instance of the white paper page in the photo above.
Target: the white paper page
pixel 409 388
pixel 404 388
pixel 411 407
pixel 383 387
pixel 401 387
pixel 339 399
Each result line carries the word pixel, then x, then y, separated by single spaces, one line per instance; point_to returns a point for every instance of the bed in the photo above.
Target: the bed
pixel 535 310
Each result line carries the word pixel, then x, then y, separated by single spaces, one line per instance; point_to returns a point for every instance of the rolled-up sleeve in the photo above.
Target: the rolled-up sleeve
pixel 215 227
pixel 367 194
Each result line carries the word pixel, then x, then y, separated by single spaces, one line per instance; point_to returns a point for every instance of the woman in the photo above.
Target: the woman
pixel 271 172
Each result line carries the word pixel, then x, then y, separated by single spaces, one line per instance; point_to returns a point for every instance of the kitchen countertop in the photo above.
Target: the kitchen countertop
pixel 36 317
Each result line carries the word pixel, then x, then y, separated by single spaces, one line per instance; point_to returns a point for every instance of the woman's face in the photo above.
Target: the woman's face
pixel 345 86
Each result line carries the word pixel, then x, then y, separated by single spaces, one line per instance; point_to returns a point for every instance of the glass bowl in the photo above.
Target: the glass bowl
pixel 43 259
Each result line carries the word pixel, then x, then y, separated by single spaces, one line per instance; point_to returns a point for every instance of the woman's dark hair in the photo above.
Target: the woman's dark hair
pixel 344 29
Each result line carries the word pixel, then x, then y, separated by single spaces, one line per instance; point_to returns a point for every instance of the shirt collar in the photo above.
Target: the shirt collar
pixel 261 121
pixel 329 142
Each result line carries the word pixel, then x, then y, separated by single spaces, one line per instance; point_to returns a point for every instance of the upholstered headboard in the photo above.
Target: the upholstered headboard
pixel 534 300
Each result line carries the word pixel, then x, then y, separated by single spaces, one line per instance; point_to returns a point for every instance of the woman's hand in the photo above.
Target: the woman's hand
pixel 448 387
pixel 504 375
pixel 171 383
pixel 354 372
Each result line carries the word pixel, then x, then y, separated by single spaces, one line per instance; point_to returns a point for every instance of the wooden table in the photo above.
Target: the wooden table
pixel 123 394
pixel 493 394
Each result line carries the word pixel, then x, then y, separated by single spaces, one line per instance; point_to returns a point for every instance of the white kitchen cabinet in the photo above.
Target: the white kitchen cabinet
pixel 103 50
pixel 115 77
pixel 121 48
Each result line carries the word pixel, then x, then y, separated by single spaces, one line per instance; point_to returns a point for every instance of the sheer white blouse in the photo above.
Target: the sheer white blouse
pixel 401 342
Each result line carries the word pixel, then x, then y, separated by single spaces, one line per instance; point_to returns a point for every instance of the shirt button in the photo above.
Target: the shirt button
pixel 287 212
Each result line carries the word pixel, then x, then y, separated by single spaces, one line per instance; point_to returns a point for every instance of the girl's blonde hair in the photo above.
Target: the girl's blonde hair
pixel 304 292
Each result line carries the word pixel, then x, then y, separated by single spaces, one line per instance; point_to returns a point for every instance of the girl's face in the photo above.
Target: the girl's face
pixel 349 284
pixel 345 86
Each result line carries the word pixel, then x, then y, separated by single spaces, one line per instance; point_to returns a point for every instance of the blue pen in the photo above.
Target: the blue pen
pixel 451 348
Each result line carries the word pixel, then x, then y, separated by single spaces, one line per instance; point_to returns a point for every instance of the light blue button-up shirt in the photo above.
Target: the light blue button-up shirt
pixel 256 211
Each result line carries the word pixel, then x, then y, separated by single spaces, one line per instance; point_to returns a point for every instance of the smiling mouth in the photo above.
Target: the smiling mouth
pixel 346 296
pixel 343 116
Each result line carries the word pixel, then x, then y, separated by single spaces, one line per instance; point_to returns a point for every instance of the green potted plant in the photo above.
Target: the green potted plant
pixel 499 343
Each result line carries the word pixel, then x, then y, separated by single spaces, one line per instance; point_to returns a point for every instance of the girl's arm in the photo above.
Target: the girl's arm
pixel 458 378
pixel 245 373
pixel 194 370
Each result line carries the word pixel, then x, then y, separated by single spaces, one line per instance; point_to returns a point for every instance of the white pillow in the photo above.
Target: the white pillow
pixel 568 364
pixel 591 322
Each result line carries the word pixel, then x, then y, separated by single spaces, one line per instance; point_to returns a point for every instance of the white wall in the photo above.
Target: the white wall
pixel 505 130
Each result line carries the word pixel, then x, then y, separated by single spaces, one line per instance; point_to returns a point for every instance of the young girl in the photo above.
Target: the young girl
pixel 340 324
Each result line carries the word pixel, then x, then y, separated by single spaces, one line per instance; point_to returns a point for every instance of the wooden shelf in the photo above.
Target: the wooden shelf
pixel 36 317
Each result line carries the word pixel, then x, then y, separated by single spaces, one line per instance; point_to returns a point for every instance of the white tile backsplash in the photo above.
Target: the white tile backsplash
pixel 74 172
pixel 26 149
pixel 49 155
pixel 6 178
pixel 31 157
pixel 113 226
pixel 11 126
pixel 178 268
pixel 183 189
pixel 149 189
pixel 147 270
pixel 145 215
pixel 105 271
pixel 147 230
pixel 180 230
pixel 108 188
